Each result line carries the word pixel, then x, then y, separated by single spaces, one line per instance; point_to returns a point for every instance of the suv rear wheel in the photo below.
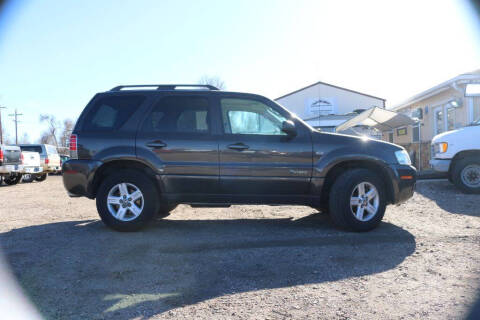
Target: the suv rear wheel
pixel 466 175
pixel 127 201
pixel 357 200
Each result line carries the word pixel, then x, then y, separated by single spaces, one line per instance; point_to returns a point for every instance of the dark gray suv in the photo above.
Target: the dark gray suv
pixel 141 150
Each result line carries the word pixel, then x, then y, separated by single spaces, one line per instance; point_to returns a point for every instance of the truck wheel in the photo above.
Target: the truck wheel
pixel 41 177
pixel 165 209
pixel 466 175
pixel 27 178
pixel 13 179
pixel 127 200
pixel 357 200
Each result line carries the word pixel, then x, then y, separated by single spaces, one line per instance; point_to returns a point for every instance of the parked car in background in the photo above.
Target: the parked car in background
pixel 63 159
pixel 141 152
pixel 457 153
pixel 10 164
pixel 32 167
pixel 49 158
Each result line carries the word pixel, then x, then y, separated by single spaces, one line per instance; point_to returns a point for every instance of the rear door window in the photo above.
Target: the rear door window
pixel 32 148
pixel 110 113
pixel 179 115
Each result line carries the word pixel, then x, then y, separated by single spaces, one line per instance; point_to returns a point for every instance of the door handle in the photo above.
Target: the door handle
pixel 157 144
pixel 238 146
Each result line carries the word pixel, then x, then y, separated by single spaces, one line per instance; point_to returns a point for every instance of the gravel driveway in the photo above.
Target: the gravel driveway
pixel 245 262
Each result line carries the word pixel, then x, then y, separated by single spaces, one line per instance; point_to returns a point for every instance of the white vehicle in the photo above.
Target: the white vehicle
pixel 31 166
pixel 457 153
pixel 49 158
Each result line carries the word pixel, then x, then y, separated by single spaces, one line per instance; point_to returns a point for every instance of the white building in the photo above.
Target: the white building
pixel 326 106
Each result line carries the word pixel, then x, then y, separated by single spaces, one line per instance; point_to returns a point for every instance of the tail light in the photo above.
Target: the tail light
pixel 21 158
pixel 47 161
pixel 73 146
pixel 1 155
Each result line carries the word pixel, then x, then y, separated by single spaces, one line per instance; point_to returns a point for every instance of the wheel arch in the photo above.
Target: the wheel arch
pixel 459 156
pixel 121 164
pixel 336 170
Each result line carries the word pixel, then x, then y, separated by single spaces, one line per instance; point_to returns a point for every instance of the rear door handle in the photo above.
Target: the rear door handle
pixel 157 144
pixel 238 146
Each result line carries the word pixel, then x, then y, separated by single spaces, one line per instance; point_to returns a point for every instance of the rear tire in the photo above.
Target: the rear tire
pixel 41 177
pixel 134 210
pixel 466 175
pixel 13 179
pixel 353 210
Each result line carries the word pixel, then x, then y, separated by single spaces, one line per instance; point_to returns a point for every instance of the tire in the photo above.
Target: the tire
pixel 145 207
pixel 466 175
pixel 346 189
pixel 28 178
pixel 13 179
pixel 165 209
pixel 41 177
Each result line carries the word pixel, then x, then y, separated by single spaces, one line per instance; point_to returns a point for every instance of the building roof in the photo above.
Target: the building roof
pixel 330 85
pixel 473 76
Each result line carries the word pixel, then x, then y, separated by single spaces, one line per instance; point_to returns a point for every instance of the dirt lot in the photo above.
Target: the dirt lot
pixel 247 262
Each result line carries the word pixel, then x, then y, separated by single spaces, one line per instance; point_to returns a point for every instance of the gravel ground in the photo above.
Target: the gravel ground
pixel 244 262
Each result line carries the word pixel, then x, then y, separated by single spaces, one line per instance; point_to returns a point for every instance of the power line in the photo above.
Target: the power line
pixel 16 114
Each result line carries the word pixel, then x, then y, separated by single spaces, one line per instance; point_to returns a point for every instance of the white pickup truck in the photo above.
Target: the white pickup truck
pixel 32 167
pixel 457 153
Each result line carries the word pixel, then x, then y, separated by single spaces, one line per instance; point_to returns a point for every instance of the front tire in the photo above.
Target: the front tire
pixel 357 200
pixel 127 201
pixel 41 177
pixel 466 175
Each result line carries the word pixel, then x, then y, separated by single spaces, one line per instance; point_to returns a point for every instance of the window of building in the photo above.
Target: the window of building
pixel 450 119
pixel 390 136
pixel 179 115
pixel 416 133
pixel 438 118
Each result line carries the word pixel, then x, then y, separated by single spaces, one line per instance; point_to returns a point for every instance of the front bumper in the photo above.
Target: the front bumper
pixel 78 177
pixel 403 182
pixel 440 165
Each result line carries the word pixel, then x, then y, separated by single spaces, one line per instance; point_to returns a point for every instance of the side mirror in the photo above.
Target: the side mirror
pixel 289 128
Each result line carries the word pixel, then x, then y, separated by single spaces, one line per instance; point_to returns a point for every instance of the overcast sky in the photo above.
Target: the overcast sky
pixel 55 55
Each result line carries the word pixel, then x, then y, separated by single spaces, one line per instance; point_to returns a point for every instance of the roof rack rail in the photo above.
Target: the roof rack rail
pixel 165 87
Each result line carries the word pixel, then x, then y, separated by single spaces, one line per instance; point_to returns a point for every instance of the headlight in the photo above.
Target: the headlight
pixel 440 147
pixel 403 157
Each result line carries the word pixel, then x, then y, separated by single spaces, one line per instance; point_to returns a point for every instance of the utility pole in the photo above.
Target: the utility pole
pixel 1 128
pixel 16 114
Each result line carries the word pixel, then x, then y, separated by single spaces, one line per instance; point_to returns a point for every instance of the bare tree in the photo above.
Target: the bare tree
pixel 53 128
pixel 213 81
pixel 68 125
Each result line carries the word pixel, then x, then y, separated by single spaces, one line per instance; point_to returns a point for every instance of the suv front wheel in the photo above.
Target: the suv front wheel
pixel 127 201
pixel 357 200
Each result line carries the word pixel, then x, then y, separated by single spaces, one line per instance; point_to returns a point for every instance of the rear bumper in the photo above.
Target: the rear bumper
pixel 78 177
pixel 32 170
pixel 403 182
pixel 11 168
pixel 440 165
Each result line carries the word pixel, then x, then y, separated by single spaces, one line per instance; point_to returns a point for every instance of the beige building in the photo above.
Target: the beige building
pixel 444 107
pixel 325 106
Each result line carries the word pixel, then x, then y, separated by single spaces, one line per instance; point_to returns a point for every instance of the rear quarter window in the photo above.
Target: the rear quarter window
pixel 110 113
pixel 51 150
